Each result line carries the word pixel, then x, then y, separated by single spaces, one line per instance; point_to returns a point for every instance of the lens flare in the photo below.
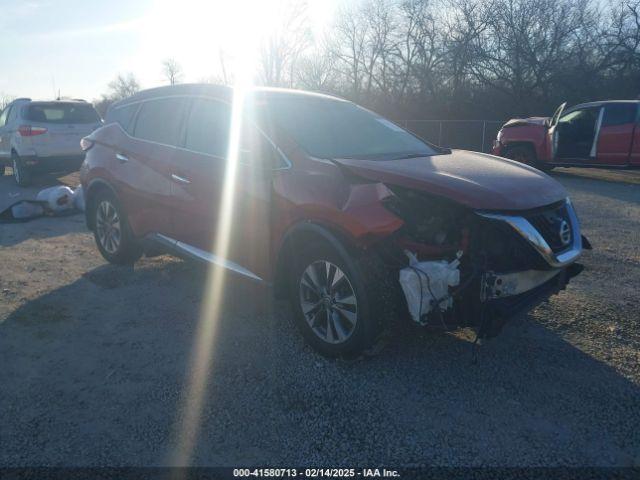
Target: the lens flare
pixel 200 365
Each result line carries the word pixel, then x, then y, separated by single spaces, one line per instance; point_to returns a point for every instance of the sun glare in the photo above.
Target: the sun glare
pixel 195 31
pixel 201 356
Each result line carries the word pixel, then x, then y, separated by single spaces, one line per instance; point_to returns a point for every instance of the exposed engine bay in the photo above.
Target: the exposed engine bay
pixel 458 267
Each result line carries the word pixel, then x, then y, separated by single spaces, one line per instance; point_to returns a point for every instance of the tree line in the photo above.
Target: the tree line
pixel 471 59
pixel 448 59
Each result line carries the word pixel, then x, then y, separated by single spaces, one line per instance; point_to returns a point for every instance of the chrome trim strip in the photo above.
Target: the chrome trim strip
pixel 180 179
pixel 594 145
pixel 204 256
pixel 535 239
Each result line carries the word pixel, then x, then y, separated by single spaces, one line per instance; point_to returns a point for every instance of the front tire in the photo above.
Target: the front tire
pixel 527 155
pixel 111 231
pixel 336 301
pixel 21 173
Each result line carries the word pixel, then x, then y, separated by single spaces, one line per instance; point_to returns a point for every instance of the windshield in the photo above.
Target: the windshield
pixel 329 128
pixel 62 113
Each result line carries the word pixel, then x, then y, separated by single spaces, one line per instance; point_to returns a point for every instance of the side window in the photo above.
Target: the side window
pixel 160 120
pixel 256 150
pixel 619 114
pixel 13 115
pixel 124 116
pixel 4 115
pixel 208 127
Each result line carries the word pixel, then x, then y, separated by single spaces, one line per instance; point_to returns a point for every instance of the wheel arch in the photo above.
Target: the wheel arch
pixel 298 237
pixel 521 143
pixel 95 187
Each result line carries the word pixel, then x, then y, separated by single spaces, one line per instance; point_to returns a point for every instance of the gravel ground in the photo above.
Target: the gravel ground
pixel 94 360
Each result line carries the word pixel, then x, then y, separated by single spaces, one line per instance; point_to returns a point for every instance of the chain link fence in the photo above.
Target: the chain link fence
pixel 476 135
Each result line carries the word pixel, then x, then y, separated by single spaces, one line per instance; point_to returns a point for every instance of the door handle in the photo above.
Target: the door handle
pixel 122 158
pixel 179 179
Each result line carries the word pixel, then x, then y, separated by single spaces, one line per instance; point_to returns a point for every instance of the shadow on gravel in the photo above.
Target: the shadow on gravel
pixel 41 228
pixel 94 373
pixel 625 192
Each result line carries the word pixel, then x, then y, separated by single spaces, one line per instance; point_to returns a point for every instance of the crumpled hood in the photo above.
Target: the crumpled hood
pixel 477 180
pixel 518 122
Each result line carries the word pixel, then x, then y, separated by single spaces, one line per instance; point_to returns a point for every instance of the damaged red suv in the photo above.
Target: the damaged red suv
pixel 596 134
pixel 357 221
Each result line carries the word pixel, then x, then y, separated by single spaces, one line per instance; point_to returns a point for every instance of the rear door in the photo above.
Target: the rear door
pixel 142 163
pixel 198 173
pixel 616 133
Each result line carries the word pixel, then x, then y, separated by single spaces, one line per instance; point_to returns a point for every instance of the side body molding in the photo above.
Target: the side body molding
pixel 195 253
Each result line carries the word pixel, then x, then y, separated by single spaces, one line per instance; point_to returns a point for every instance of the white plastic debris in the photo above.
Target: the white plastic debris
pixel 58 198
pixel 78 198
pixel 426 282
pixel 26 209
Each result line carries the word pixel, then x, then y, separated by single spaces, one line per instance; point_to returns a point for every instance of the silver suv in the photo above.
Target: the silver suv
pixel 44 136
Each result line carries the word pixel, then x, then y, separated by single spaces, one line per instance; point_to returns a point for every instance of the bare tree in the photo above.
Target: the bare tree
pixel 283 47
pixel 316 71
pixel 172 71
pixel 123 86
pixel 5 100
pixel 420 50
pixel 349 48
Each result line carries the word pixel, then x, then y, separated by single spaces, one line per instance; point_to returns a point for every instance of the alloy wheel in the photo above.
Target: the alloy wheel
pixel 328 302
pixel 108 227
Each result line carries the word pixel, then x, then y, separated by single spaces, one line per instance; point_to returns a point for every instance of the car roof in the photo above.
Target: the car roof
pixel 219 91
pixel 599 103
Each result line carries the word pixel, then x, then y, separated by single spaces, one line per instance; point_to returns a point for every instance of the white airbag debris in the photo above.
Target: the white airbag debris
pixel 426 285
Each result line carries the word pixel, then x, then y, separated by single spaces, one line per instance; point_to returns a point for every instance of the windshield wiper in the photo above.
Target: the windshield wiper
pixel 411 155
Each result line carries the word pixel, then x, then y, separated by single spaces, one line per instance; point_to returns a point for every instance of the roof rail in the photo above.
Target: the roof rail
pixel 27 99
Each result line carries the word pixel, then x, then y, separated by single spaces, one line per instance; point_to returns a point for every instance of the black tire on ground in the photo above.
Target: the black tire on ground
pixel 111 230
pixel 21 173
pixel 526 154
pixel 338 327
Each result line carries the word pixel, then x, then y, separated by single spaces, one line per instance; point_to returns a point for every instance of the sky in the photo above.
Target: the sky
pixel 76 47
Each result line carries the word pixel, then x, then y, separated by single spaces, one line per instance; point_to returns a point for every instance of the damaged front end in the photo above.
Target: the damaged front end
pixel 459 267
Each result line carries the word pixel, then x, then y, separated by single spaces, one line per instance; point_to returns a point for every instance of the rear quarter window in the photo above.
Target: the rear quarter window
pixel 160 121
pixel 74 113
pixel 123 116
pixel 619 114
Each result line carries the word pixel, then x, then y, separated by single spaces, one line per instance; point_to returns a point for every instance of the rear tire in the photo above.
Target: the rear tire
pixel 341 305
pixel 111 230
pixel 21 173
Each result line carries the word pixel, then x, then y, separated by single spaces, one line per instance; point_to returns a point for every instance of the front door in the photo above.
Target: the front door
pixel 552 134
pixel 616 133
pixel 576 134
pixel 225 217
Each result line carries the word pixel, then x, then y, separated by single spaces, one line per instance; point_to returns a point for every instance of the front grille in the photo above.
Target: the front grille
pixel 555 227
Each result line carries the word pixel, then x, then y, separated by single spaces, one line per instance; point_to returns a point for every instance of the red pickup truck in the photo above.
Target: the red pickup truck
pixel 596 134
